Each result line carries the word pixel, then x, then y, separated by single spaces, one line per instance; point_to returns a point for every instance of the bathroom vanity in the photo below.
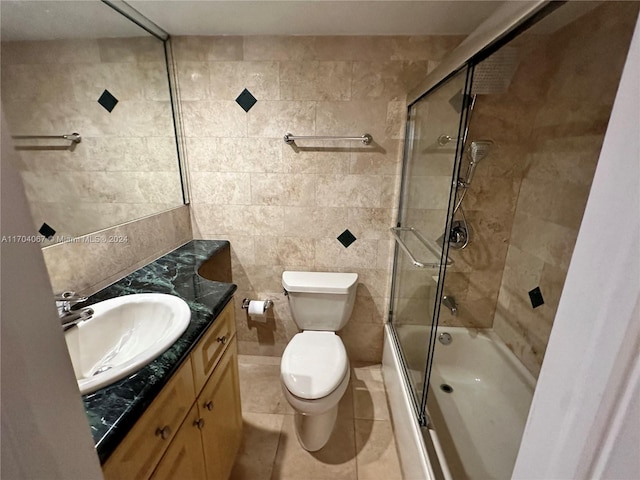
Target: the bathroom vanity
pixel 180 415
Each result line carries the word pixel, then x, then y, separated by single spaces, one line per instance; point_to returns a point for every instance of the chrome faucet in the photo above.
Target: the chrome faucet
pixel 70 318
pixel 450 302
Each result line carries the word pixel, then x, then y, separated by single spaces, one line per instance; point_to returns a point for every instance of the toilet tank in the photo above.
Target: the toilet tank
pixel 320 300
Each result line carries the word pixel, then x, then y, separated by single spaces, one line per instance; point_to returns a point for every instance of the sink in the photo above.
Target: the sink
pixel 124 334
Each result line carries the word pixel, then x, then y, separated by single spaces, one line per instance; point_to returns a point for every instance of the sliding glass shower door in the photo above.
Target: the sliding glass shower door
pixel 435 127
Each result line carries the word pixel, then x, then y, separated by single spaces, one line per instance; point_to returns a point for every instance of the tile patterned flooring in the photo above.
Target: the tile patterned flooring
pixel 362 445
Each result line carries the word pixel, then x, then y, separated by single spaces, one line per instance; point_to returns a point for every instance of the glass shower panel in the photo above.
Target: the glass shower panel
pixel 429 169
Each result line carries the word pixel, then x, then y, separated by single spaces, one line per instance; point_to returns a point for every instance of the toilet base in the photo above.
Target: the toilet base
pixel 313 431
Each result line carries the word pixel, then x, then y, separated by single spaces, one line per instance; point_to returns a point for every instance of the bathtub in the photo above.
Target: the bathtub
pixel 481 389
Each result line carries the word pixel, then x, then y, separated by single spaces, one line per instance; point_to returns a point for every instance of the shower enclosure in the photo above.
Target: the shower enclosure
pixel 498 163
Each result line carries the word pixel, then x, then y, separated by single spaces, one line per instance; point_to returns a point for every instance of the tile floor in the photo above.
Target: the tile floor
pixel 362 445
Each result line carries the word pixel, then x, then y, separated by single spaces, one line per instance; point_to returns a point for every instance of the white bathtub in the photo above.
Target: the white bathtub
pixel 487 410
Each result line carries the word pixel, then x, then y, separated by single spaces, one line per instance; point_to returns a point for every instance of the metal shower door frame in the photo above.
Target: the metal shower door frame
pixel 419 404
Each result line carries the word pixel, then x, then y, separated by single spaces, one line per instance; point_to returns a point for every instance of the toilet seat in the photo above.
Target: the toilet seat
pixel 314 364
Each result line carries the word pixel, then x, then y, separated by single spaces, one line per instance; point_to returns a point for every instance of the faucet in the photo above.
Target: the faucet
pixel 70 318
pixel 450 302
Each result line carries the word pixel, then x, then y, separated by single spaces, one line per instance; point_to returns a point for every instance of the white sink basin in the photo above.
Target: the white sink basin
pixel 124 334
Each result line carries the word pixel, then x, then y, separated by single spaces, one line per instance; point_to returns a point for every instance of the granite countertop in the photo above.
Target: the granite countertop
pixel 113 410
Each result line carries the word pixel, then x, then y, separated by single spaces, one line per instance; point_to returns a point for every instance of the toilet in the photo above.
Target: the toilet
pixel 314 371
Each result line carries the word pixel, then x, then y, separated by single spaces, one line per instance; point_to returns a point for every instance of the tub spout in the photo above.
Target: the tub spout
pixel 450 302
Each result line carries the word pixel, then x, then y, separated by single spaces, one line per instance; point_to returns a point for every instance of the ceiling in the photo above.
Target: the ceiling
pixel 52 19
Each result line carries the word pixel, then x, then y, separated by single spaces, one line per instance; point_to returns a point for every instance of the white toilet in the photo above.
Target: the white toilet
pixel 315 368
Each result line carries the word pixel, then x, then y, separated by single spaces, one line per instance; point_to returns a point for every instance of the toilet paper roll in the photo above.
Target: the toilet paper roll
pixel 257 308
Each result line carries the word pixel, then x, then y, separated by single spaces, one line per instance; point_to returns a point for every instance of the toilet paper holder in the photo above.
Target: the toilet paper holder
pixel 267 303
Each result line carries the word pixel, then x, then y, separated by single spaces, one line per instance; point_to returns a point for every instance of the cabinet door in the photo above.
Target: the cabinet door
pixel 219 406
pixel 139 452
pixel 184 458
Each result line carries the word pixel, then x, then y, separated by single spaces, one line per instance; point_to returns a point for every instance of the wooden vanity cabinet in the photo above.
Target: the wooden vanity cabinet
pixel 184 458
pixel 219 407
pixel 206 430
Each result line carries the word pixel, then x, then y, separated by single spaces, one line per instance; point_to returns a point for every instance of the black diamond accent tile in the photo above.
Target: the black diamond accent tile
pixel 346 238
pixel 246 100
pixel 46 231
pixel 536 297
pixel 108 101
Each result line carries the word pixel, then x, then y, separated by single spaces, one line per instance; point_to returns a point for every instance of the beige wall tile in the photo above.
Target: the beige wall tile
pixel 283 189
pixel 227 80
pixel 390 80
pixel 275 119
pixel 87 267
pixel 313 222
pixel 214 119
pixel 302 196
pixel 221 188
pixel 50 51
pixel 312 80
pixel 348 191
pixel 207 49
pixel 130 50
pixel 193 81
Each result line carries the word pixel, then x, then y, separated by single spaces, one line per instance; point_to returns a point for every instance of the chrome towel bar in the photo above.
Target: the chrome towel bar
pixel 433 249
pixel 72 137
pixel 290 138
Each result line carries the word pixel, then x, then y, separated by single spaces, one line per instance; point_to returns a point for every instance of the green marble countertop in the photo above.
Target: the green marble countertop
pixel 113 410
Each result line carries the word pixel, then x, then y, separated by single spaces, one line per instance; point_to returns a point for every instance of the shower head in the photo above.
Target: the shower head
pixel 493 75
pixel 478 151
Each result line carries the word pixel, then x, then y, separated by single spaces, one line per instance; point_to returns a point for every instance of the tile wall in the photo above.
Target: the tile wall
pixel 528 196
pixel 126 165
pixel 92 262
pixel 283 207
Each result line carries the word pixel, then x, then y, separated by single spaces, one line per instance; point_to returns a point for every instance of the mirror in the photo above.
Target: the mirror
pixel 83 68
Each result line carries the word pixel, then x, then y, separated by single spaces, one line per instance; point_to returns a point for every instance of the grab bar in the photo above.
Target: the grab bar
pixel 72 137
pixel 290 138
pixel 424 241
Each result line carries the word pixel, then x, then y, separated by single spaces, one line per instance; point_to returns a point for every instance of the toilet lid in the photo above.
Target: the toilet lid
pixel 313 364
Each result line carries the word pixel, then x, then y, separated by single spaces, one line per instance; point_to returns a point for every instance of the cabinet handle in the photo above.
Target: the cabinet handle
pixel 164 432
pixel 199 423
pixel 222 339
pixel 209 405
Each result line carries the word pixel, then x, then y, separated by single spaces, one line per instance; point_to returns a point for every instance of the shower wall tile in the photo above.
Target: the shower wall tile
pixel 527 199
pixel 282 206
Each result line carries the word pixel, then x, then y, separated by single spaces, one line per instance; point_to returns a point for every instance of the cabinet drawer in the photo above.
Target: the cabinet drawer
pixel 210 348
pixel 184 458
pixel 138 454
